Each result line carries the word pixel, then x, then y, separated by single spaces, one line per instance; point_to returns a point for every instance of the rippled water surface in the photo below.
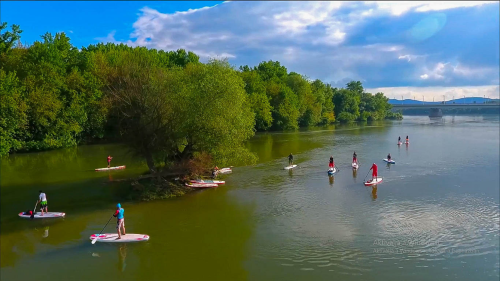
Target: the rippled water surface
pixel 435 216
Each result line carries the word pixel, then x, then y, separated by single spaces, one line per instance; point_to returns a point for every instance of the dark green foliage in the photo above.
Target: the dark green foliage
pixel 167 106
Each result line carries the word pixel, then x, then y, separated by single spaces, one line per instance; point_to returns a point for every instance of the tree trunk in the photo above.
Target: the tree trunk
pixel 150 162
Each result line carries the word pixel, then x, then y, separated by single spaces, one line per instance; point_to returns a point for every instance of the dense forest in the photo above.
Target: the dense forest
pixel 166 106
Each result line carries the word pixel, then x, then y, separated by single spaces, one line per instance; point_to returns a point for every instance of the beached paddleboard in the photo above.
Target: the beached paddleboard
pixel 110 168
pixel 332 171
pixel 290 167
pixel 111 237
pixel 201 185
pixel 374 182
pixel 355 165
pixel 48 215
pixel 390 161
pixel 225 171
pixel 208 181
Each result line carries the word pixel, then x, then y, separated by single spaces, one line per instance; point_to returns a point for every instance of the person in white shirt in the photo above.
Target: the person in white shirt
pixel 42 199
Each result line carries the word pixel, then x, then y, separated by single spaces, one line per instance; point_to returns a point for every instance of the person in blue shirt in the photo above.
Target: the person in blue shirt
pixel 120 220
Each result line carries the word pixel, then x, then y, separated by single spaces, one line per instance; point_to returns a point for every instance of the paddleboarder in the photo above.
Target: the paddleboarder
pixel 120 220
pixel 407 140
pixel 399 139
pixel 375 171
pixel 215 172
pixel 109 160
pixel 331 164
pixel 389 157
pixel 290 159
pixel 354 158
pixel 42 199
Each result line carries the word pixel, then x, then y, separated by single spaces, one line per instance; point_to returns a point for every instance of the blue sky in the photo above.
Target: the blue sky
pixel 407 48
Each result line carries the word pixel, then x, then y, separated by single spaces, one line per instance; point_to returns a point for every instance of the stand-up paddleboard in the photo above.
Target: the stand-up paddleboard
pixel 110 168
pixel 332 171
pixel 208 181
pixel 225 171
pixel 400 143
pixel 201 185
pixel 111 237
pixel 48 215
pixel 290 167
pixel 407 142
pixel 390 161
pixel 355 165
pixel 374 182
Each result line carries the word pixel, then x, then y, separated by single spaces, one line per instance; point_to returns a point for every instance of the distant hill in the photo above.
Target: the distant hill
pixel 461 100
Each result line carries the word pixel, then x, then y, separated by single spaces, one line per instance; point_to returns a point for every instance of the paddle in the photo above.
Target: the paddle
pixel 95 240
pixel 34 211
pixel 366 175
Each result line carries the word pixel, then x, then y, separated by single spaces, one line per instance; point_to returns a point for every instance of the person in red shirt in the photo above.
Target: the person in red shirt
pixel 375 171
pixel 109 160
pixel 331 164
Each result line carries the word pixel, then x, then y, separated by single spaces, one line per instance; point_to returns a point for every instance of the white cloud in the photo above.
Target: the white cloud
pixel 428 93
pixel 311 38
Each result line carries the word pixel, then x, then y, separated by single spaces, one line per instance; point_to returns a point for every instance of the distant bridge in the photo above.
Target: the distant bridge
pixel 435 109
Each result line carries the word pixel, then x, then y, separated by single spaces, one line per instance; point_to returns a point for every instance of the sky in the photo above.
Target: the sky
pixel 414 49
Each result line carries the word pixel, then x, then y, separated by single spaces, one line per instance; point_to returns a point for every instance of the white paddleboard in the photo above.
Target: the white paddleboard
pixel 111 238
pixel 110 168
pixel 290 167
pixel 400 143
pixel 374 182
pixel 390 162
pixel 208 181
pixel 225 171
pixel 355 165
pixel 48 215
pixel 407 142
pixel 201 185
pixel 332 171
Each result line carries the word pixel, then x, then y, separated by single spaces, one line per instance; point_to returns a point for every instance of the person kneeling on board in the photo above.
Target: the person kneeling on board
pixel 290 159
pixel 374 172
pixel 120 220
pixel 332 164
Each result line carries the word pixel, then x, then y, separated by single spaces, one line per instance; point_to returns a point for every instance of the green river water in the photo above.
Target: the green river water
pixel 434 217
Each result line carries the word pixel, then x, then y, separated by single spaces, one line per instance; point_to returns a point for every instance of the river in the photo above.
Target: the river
pixel 434 217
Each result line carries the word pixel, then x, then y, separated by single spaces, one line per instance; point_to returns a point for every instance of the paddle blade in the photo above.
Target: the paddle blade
pixel 93 241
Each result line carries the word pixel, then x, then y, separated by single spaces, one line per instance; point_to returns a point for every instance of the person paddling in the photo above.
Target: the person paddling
pixel 375 171
pixel 109 160
pixel 399 139
pixel 389 157
pixel 332 164
pixel 42 199
pixel 354 158
pixel 290 159
pixel 120 220
pixel 407 140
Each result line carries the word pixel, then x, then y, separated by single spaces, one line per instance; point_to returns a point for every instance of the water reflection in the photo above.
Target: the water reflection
pixel 388 166
pixel 122 254
pixel 290 172
pixel 331 179
pixel 374 193
pixel 354 173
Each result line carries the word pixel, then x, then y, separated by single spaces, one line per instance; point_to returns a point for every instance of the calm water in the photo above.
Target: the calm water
pixel 434 217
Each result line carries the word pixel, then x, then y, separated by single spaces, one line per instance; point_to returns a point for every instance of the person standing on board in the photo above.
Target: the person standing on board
pixel 407 140
pixel 331 164
pixel 389 157
pixel 290 159
pixel 120 220
pixel 399 139
pixel 354 158
pixel 375 171
pixel 42 199
pixel 109 160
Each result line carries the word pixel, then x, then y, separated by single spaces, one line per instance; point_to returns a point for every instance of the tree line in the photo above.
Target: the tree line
pixel 167 106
